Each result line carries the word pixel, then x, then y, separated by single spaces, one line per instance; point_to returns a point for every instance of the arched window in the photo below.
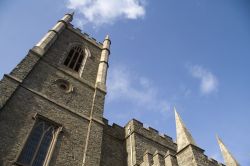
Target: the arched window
pixel 74 58
pixel 39 143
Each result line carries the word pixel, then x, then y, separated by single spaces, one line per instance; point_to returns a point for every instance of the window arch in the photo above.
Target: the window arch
pixel 75 58
pixel 39 145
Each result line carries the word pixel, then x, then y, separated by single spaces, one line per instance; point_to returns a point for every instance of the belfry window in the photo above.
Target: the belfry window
pixel 75 58
pixel 39 145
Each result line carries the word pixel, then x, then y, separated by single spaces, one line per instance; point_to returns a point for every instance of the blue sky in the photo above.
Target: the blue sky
pixel 192 54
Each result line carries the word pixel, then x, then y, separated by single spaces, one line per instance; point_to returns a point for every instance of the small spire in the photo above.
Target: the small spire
pixel 228 157
pixel 107 37
pixel 184 138
pixel 107 42
pixel 72 13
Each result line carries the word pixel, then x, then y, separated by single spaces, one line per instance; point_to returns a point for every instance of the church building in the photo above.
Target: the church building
pixel 51 112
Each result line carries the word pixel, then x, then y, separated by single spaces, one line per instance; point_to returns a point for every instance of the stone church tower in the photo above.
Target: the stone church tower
pixel 51 112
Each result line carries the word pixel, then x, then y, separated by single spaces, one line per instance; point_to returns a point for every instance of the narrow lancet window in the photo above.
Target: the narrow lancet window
pixel 38 146
pixel 75 58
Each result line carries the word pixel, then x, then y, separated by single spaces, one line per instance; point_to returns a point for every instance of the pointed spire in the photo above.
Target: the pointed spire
pixel 107 40
pixel 184 138
pixel 107 37
pixel 228 157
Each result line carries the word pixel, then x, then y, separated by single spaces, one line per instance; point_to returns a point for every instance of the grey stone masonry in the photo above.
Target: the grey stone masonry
pixel 33 87
pixel 43 86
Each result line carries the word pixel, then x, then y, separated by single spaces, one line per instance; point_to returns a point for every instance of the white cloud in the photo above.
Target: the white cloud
pixel 100 12
pixel 208 81
pixel 125 85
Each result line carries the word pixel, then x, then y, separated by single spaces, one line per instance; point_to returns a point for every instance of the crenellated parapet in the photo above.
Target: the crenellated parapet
pixel 145 146
pixel 150 133
pixel 214 162
pixel 114 130
pixel 140 139
pixel 85 35
pixel 158 158
pixel 65 23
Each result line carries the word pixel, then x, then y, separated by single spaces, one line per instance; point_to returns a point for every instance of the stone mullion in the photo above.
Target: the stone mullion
pixel 52 146
pixel 71 59
pixel 37 147
pixel 76 61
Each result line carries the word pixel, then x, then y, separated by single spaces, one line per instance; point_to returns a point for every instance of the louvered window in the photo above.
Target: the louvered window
pixel 74 58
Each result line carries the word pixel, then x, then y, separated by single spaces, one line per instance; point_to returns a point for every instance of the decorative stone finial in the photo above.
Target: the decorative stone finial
pixel 228 157
pixel 184 138
pixel 72 13
pixel 106 42
pixel 107 37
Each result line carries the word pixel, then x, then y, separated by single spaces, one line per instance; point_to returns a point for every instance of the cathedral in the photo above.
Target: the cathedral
pixel 51 112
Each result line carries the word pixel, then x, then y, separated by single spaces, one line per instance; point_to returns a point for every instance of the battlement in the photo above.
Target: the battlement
pixel 114 130
pixel 135 126
pixel 85 35
pixel 213 161
pixel 158 159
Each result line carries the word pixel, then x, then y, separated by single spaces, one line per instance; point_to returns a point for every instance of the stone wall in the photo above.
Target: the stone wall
pixel 16 122
pixel 145 140
pixel 32 88
pixel 113 146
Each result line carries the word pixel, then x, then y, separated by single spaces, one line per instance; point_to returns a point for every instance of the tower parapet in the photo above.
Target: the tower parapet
pixel 85 35
pixel 140 139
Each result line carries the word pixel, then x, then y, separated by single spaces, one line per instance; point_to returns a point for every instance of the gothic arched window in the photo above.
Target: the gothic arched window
pixel 38 146
pixel 75 58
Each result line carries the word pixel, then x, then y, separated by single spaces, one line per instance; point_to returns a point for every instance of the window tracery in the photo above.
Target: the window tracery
pixel 38 146
pixel 75 58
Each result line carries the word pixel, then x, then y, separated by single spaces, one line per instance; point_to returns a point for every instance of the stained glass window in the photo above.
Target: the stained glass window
pixel 38 144
pixel 74 58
